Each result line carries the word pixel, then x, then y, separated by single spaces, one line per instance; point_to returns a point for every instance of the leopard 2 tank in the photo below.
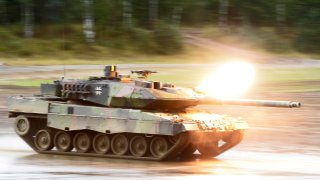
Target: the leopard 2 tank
pixel 119 117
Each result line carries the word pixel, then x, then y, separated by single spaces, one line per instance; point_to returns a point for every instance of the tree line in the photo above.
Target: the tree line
pixel 102 19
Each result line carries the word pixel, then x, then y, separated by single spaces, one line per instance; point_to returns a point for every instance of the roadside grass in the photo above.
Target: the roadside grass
pixel 190 55
pixel 288 74
pixel 264 40
pixel 25 82
pixel 47 50
pixel 267 79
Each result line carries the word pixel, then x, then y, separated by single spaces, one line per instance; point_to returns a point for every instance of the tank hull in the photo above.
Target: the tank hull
pixel 50 125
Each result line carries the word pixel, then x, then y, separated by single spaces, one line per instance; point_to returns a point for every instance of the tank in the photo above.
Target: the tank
pixel 120 117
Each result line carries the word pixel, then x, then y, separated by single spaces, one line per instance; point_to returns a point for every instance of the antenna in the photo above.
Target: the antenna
pixel 64 36
pixel 64 71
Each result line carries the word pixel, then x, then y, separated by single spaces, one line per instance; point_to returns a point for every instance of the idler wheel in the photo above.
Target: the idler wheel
pixel 119 144
pixel 208 150
pixel 43 140
pixel 159 146
pixel 22 125
pixel 63 141
pixel 82 142
pixel 138 146
pixel 101 143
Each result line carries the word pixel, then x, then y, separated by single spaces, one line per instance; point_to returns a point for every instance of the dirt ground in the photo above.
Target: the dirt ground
pixel 280 143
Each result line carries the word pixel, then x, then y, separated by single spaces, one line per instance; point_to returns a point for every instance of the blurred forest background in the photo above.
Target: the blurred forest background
pixel 102 28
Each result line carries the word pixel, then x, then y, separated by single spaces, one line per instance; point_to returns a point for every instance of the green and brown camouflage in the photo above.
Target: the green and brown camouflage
pixel 116 105
pixel 138 94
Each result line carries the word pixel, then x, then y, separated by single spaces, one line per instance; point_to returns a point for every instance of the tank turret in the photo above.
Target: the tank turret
pixel 114 90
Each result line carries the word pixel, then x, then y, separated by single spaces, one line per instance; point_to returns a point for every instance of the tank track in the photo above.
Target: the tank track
pixel 181 145
pixel 38 122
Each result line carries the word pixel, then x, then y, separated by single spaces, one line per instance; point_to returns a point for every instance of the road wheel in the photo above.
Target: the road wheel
pixel 158 146
pixel 22 125
pixel 138 146
pixel 82 142
pixel 101 143
pixel 43 140
pixel 119 144
pixel 63 141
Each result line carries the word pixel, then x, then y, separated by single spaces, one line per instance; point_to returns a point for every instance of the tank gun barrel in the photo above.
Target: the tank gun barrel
pixel 250 102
